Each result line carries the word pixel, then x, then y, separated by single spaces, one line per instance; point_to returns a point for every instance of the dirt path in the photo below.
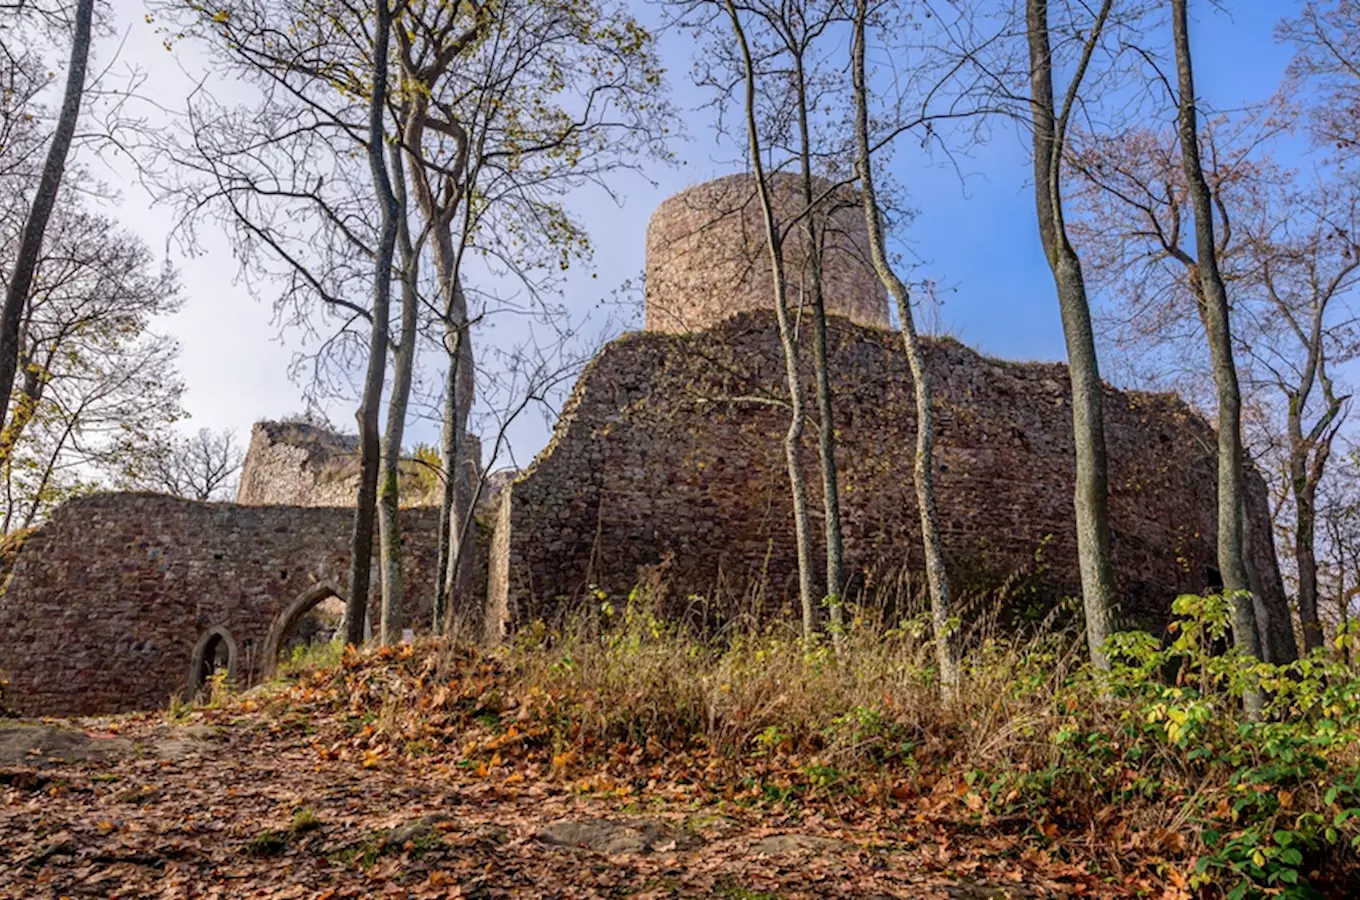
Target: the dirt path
pixel 158 811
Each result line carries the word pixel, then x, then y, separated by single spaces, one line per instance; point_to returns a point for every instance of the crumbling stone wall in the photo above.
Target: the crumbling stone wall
pixel 707 256
pixel 109 598
pixel 668 454
pixel 301 464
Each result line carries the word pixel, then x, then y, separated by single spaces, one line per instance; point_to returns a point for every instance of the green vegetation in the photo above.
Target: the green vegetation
pixel 313 655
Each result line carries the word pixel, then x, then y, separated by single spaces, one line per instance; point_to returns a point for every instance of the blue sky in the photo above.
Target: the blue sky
pixel 976 236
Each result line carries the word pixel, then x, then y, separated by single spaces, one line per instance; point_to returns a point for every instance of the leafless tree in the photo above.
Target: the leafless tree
pixel 1285 245
pixel 947 651
pixel 1051 122
pixel 299 175
pixel 1213 297
pixel 787 334
pixel 361 546
pixel 1296 336
pixel 1326 34
pixel 202 466
pixel 504 111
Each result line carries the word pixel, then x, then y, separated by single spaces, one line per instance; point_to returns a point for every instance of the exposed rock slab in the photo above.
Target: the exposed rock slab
pixel 613 837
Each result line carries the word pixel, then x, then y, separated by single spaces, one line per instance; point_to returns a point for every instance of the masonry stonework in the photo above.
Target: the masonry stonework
pixel 668 456
pixel 666 467
pixel 298 464
pixel 109 599
pixel 707 255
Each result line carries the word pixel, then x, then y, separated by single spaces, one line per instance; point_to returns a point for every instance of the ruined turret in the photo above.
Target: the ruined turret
pixel 708 257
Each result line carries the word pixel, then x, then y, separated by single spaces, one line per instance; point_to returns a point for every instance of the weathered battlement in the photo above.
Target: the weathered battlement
pixel 666 465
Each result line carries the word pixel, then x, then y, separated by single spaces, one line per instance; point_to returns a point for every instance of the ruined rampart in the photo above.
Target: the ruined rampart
pixel 301 464
pixel 669 454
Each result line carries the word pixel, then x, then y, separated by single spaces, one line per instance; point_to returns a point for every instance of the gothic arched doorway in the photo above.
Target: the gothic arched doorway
pixel 215 655
pixel 312 616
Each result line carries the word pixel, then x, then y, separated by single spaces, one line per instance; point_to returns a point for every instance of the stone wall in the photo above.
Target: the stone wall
pixel 300 464
pixel 109 598
pixel 707 256
pixel 668 458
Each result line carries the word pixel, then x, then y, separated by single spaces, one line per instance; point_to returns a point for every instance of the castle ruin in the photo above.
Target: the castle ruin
pixel 666 465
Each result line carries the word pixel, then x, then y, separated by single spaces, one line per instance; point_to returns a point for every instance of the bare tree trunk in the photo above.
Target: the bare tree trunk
pixel 813 238
pixel 361 543
pixel 448 453
pixel 947 652
pixel 1305 555
pixel 788 340
pixel 452 572
pixel 35 226
pixel 456 506
pixel 1343 607
pixel 1214 297
pixel 389 491
pixel 1308 457
pixel 1091 500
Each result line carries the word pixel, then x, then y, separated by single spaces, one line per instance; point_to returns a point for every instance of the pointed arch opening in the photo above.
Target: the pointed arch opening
pixel 215 655
pixel 288 623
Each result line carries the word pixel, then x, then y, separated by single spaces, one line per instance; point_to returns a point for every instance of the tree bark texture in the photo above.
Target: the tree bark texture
pixel 361 541
pixel 1213 296
pixel 389 491
pixel 788 340
pixel 813 238
pixel 455 517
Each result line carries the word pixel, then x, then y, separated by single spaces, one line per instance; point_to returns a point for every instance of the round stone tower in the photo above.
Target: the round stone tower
pixel 707 256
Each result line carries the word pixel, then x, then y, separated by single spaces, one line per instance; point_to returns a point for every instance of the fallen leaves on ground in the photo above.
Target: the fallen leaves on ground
pixel 330 788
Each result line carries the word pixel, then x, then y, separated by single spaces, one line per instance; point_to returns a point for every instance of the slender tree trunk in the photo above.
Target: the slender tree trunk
pixel 1308 456
pixel 389 491
pixel 361 543
pixel 1305 555
pixel 813 238
pixel 456 505
pixel 1214 296
pixel 1091 500
pixel 452 572
pixel 1343 607
pixel 788 340
pixel 35 226
pixel 448 452
pixel 947 651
